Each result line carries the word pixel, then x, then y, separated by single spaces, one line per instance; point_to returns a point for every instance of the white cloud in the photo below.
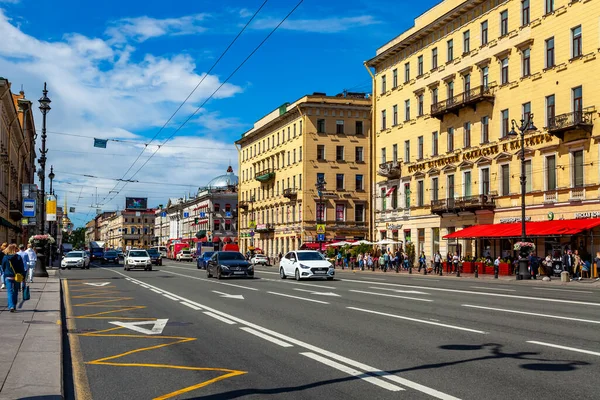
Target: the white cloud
pixel 141 29
pixel 324 25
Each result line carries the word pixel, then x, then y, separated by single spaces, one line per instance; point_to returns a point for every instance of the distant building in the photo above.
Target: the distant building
pixel 129 229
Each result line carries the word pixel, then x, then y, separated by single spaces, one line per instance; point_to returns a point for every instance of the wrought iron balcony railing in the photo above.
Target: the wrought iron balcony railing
pixel 390 169
pixel 466 203
pixel 468 98
pixel 573 121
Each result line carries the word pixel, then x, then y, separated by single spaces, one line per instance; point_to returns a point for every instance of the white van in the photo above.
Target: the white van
pixel 162 250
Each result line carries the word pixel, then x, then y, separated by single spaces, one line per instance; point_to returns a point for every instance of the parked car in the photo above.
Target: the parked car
pixel 304 264
pixel 259 259
pixel 202 260
pixel 162 250
pixel 137 258
pixel 110 256
pixel 185 255
pixel 75 259
pixel 229 263
pixel 155 256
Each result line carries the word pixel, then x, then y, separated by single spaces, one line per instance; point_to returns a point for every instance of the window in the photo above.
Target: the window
pixel 289 158
pixel 359 154
pixel 406 72
pixel 526 110
pixel 578 168
pixel 406 195
pixel 383 199
pixel 528 177
pixel 358 126
pixel 551 172
pixel 466 41
pixel 467 183
pixel 320 152
pixel 339 126
pixel 339 153
pixel 504 23
pixel 300 154
pixel 576 42
pixel 550 110
pixel 450 139
pixel 394 115
pixel 216 207
pixel 406 110
pixel 484 32
pixel 524 12
pixel 320 177
pixel 434 58
pixel 395 153
pixel 467 83
pixel 420 105
pixel 435 189
pixel 450 87
pixel 526 67
pixel 550 52
pixel 294 130
pixel 435 240
pixel 434 95
pixel 420 147
pixel 485 181
pixel 578 100
pixel 339 181
pixel 505 176
pixel 359 213
pixel 504 71
pixel 217 224
pixel 504 123
pixel 420 65
pixel 450 44
pixel 289 136
pixel 434 144
pixel 320 211
pixel 383 83
pixel 395 78
pixel 383 120
pixel 320 126
pixel 485 130
pixel 340 212
pixel 300 127
pixel 383 157
pixel 485 71
pixel 359 183
pixel 549 6
pixel 407 151
pixel 450 185
pixel 420 194
pixel 467 134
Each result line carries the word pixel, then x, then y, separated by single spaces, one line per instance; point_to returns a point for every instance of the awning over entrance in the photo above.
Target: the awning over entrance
pixel 312 246
pixel 542 228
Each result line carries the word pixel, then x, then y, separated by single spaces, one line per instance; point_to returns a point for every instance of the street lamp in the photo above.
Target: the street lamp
pixel 526 126
pixel 51 176
pixel 45 109
pixel 320 185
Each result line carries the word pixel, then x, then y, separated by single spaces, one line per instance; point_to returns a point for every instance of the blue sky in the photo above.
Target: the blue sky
pixel 118 69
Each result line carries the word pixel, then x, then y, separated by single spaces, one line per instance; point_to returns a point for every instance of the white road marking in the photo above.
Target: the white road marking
pixel 229 296
pixel 220 318
pixel 590 321
pixel 144 286
pixel 491 288
pixel 300 283
pixel 193 307
pixel 593 353
pixel 127 279
pixel 426 279
pixel 563 290
pixel 97 284
pixel 266 337
pixel 460 328
pixel 512 296
pixel 156 291
pixel 267 272
pixel 331 294
pixel 357 364
pixel 299 298
pixel 373 279
pixel 212 281
pixel 170 297
pixel 398 290
pixel 353 372
pixel 157 326
pixel 391 295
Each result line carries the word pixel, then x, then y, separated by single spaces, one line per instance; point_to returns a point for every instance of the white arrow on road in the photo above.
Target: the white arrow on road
pixel 98 284
pixel 230 296
pixel 398 290
pixel 330 294
pixel 157 326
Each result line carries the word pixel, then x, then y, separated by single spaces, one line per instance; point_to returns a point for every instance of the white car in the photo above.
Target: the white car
pixel 259 259
pixel 303 264
pixel 137 259
pixel 185 255
pixel 75 259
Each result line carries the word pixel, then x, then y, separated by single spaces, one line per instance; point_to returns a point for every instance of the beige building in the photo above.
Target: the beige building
pixel 446 93
pixel 128 229
pixel 317 137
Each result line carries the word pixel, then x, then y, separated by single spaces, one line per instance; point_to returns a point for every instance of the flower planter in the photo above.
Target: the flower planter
pixel 445 266
pixel 489 270
pixel 504 269
pixel 480 267
pixel 468 267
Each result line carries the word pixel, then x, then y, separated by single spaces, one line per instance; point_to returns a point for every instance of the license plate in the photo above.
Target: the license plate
pixel 320 272
pixel 239 273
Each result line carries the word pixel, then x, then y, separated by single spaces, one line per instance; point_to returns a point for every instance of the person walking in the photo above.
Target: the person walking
pixel 597 265
pixel 534 261
pixel 32 260
pixel 12 264
pixel 567 260
pixel 577 264
pixel 437 262
pixel 496 265
pixel 422 261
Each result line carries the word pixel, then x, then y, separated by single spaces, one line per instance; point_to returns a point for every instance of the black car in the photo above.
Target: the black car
pixel 110 256
pixel 229 263
pixel 155 256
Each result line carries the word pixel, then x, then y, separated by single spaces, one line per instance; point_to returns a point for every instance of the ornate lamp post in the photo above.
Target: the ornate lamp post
pixel 40 266
pixel 320 185
pixel 526 125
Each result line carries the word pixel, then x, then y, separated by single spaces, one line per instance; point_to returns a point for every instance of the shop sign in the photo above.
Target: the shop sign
pixel 512 220
pixel 393 227
pixel 589 214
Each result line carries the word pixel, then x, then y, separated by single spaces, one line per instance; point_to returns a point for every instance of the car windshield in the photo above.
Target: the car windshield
pixel 310 256
pixel 208 254
pixel 110 253
pixel 185 252
pixel 74 255
pixel 138 254
pixel 153 252
pixel 231 255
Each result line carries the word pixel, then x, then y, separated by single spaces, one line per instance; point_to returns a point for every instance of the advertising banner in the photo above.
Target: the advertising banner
pixel 50 208
pixel 136 203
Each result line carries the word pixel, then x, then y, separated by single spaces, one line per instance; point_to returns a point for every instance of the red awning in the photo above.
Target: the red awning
pixel 226 239
pixel 216 239
pixel 565 227
pixel 204 239
pixel 311 246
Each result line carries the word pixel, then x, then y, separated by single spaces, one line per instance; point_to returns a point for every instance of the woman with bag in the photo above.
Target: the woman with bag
pixel 13 270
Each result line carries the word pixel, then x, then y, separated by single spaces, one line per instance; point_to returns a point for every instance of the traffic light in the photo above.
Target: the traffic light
pixel 196 220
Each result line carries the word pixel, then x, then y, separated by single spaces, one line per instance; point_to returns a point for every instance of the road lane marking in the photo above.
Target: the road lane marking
pixel 157 326
pixel 563 290
pixel 426 279
pixel 267 272
pixel 220 318
pixel 212 281
pixel 491 288
pixel 353 372
pixel 557 346
pixel 299 298
pixel 331 294
pixel 398 290
pixel 229 296
pixel 156 291
pixel 193 307
pixel 170 297
pixel 590 321
pixel 460 328
pixel 144 286
pixel 299 283
pixel 266 337
pixel 391 295
pixel 512 296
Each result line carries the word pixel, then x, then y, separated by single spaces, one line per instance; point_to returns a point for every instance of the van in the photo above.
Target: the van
pixel 162 250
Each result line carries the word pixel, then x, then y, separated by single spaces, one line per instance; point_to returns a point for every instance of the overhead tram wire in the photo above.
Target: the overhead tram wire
pixel 191 93
pixel 214 92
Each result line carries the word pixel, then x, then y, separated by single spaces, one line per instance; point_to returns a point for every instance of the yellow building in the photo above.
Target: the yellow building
pixel 445 94
pixel 318 137
pixel 128 229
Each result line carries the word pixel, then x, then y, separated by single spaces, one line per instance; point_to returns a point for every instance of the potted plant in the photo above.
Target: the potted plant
pixel 489 268
pixel 524 248
pixel 41 241
pixel 504 268
pixel 468 264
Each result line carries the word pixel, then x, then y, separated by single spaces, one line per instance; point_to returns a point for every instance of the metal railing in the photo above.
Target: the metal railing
pixel 476 202
pixel 290 192
pixel 390 169
pixel 473 95
pixel 551 196
pixel 572 120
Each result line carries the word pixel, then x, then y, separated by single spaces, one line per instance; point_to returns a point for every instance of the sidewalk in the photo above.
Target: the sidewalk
pixel 31 362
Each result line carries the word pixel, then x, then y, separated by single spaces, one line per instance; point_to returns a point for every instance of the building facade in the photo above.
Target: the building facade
pixel 316 138
pixel 446 93
pixel 128 229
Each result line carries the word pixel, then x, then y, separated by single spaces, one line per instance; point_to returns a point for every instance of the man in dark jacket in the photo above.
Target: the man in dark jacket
pixel 12 264
pixel 567 261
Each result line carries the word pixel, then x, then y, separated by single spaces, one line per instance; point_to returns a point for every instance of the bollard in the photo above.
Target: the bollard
pixel 410 269
pixel 458 268
pixel 425 271
pixel 476 272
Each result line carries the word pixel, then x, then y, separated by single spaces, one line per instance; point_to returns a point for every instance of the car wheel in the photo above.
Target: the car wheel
pixel 282 273
pixel 329 278
pixel 160 263
pixel 150 268
pixel 69 268
pixel 63 268
pixel 297 275
pixel 208 274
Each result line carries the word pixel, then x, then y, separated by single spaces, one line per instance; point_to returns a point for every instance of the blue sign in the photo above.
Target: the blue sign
pixel 163 214
pixel 228 214
pixel 28 208
pixel 186 214
pixel 321 237
pixel 202 214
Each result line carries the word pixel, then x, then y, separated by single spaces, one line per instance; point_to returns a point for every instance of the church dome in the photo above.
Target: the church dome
pixel 224 181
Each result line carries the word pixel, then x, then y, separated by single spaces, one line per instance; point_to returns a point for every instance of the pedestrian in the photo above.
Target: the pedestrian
pixel 534 261
pixel 497 265
pixel 370 262
pixel 32 260
pixel 567 261
pixel 577 264
pixel 2 252
pixel 437 262
pixel 449 262
pixel 548 265
pixel 25 258
pixel 361 264
pixel 12 265
pixel 422 261
pixel 597 262
pixel 455 262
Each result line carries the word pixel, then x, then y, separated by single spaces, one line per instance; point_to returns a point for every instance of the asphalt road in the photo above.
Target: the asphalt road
pixel 361 336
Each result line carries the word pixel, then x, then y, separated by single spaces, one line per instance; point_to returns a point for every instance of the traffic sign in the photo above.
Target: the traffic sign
pixel 320 229
pixel 202 214
pixel 186 214
pixel 228 214
pixel 29 207
pixel 252 225
pixel 320 237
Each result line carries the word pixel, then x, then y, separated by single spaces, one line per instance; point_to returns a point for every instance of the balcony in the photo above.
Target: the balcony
pixel 14 210
pixel 290 193
pixel 263 228
pixel 465 99
pixel 390 169
pixel 577 194
pixel 551 196
pixel 581 121
pixel 467 203
pixel 265 175
pixel 243 205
